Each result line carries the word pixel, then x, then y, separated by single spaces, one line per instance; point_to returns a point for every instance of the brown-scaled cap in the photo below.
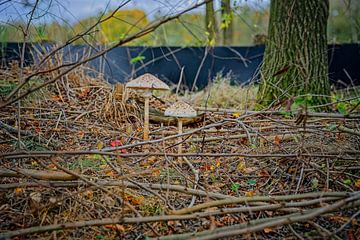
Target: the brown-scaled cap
pixel 147 82
pixel 181 110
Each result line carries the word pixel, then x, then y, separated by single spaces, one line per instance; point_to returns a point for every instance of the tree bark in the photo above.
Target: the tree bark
pixel 210 22
pixel 227 22
pixel 295 61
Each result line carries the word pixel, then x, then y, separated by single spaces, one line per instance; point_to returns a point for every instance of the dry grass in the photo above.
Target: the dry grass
pixel 223 94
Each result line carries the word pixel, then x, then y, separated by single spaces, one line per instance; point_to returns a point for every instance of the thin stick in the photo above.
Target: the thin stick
pixel 146 119
pixel 180 126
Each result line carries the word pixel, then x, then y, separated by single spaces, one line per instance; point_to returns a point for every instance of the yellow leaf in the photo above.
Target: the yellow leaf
pixel 249 194
pixel 110 173
pixel 100 145
pixel 217 163
pixel 151 160
pixel 241 165
pixel 34 163
pixel 357 183
pixel 237 114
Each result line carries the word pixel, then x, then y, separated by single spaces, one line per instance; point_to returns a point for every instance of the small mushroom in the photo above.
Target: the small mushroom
pixel 147 83
pixel 180 110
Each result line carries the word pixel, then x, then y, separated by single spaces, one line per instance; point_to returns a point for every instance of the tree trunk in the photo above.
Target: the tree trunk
pixel 210 22
pixel 295 61
pixel 227 22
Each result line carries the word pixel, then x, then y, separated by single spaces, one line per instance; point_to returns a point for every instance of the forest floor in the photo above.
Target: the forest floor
pixel 82 171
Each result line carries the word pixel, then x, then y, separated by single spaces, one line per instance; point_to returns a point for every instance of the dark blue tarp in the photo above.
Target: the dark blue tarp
pixel 200 64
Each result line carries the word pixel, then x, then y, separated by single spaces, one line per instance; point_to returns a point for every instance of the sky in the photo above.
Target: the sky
pixel 72 11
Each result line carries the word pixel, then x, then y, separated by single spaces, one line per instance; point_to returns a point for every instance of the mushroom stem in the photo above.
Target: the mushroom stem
pixel 146 119
pixel 180 131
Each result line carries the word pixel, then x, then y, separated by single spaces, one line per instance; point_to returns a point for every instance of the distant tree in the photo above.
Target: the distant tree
pixel 344 21
pixel 227 17
pixel 295 61
pixel 124 23
pixel 210 22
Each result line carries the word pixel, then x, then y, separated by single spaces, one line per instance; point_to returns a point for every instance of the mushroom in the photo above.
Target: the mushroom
pixel 180 110
pixel 147 83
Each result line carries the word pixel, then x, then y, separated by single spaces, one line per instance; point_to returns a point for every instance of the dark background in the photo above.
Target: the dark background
pixel 200 64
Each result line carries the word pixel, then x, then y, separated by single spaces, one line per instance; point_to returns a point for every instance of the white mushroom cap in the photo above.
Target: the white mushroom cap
pixel 181 110
pixel 147 82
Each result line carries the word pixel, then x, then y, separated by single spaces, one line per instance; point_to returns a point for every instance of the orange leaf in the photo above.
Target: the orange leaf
pixel 56 98
pixel 268 230
pixel 156 173
pixel 110 173
pixel 277 140
pixel 19 190
pixel 52 166
pixel 84 92
pixel 115 227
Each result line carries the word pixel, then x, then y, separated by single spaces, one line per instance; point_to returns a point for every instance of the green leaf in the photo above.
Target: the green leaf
pixel 285 114
pixel 347 182
pixel 251 182
pixel 235 187
pixel 341 107
pixel 331 127
pixel 137 59
pixel 314 183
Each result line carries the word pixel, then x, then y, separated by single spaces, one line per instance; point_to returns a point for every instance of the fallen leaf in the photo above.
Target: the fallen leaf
pixel 110 173
pixel 100 145
pixel 52 166
pixel 84 92
pixel 218 163
pixel 339 219
pixel 156 173
pixel 268 230
pixel 263 173
pixel 151 160
pixel 292 170
pixel 277 140
pixel 241 165
pixel 80 135
pixel 249 194
pixel 236 114
pixel 117 143
pixel 115 227
pixel 56 98
pixel 357 183
pixel 251 182
pixel 88 194
pixel 19 190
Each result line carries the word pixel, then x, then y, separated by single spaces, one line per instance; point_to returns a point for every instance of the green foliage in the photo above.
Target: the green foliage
pixel 6 87
pixel 251 182
pixel 188 30
pixel 347 182
pixel 137 59
pixel 235 187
